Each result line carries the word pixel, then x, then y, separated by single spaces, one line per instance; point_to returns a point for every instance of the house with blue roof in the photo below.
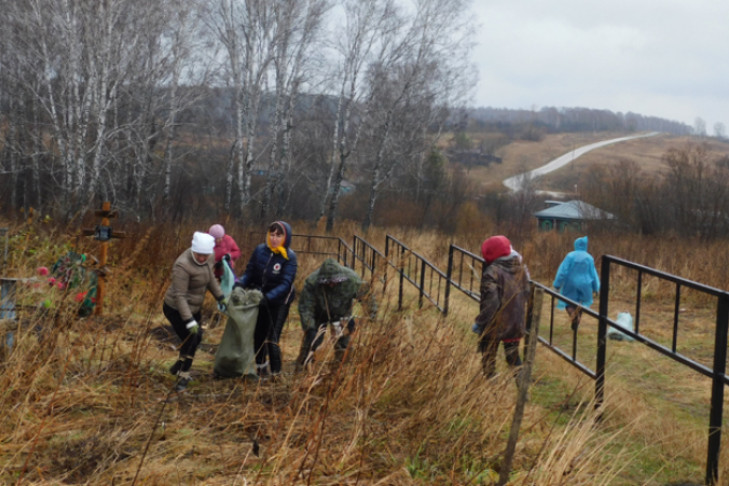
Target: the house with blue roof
pixel 569 215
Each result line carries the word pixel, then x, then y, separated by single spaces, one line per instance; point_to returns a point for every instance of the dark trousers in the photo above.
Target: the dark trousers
pixel 311 341
pixel 269 325
pixel 488 348
pixel 190 341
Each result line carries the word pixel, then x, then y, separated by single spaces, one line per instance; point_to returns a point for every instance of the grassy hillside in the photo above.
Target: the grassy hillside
pixel 89 401
pixel 522 156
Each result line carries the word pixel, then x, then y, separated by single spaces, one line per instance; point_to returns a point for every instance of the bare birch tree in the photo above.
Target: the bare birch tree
pixel 83 55
pixel 174 62
pixel 415 76
pixel 297 27
pixel 245 28
pixel 365 26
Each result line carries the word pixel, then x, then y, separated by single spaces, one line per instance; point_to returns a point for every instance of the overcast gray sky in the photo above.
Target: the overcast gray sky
pixel 665 58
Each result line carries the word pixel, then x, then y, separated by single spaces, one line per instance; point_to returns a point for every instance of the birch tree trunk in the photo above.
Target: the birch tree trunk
pixel 297 26
pixel 414 76
pixel 245 29
pixel 366 23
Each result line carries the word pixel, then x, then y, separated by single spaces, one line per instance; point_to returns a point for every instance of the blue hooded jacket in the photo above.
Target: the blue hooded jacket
pixel 272 273
pixel 577 277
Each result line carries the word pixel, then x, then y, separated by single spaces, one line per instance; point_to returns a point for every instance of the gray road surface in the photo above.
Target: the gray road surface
pixel 514 183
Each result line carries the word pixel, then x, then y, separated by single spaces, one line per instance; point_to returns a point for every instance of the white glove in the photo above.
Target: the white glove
pixel 193 326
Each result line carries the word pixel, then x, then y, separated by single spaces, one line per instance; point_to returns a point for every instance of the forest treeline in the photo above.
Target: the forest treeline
pixel 251 108
pixel 551 119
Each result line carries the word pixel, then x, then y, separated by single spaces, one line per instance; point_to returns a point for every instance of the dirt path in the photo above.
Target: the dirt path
pixel 515 183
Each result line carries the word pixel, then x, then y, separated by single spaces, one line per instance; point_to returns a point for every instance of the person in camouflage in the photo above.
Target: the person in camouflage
pixel 327 298
pixel 504 292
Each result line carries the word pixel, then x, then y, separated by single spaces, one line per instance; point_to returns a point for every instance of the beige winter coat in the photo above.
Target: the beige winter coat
pixel 189 283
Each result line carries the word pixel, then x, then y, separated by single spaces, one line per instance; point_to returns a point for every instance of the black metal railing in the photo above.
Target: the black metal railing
pixel 464 273
pixel 717 373
pixel 416 269
pixel 328 246
pixel 372 261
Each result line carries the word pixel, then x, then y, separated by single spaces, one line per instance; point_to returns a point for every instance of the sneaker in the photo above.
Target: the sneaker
pixel 263 371
pixel 182 383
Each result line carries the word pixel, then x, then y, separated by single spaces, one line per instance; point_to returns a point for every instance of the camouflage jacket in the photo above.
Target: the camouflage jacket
pixel 328 294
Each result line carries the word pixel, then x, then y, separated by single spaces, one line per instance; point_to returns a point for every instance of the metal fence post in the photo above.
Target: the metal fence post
pixel 449 274
pixel 402 277
pixel 387 261
pixel 602 331
pixel 717 389
pixel 422 284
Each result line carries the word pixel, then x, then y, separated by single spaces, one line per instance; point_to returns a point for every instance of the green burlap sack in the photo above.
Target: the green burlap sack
pixel 235 354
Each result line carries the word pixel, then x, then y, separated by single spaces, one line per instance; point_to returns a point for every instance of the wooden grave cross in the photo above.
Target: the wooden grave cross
pixel 103 233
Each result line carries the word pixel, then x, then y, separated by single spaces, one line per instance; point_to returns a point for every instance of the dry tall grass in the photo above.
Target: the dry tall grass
pixel 90 401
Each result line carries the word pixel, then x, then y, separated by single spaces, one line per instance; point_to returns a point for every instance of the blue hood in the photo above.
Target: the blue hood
pixel 581 243
pixel 287 228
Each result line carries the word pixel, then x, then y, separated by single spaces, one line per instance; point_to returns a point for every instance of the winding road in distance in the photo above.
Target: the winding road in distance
pixel 514 183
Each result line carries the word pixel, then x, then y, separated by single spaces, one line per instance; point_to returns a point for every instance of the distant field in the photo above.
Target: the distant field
pixel 522 156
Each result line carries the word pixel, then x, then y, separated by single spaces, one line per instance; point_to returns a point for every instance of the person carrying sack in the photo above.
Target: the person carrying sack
pixel 272 270
pixel 192 277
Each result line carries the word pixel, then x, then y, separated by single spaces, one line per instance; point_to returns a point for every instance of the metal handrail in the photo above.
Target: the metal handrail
pixel 462 274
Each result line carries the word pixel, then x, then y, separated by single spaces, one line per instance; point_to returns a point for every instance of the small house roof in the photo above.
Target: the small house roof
pixel 573 210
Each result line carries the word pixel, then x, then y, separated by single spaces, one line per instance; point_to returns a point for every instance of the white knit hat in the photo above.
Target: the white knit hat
pixel 203 243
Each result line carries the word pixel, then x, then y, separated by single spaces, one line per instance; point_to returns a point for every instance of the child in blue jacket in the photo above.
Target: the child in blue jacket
pixel 577 280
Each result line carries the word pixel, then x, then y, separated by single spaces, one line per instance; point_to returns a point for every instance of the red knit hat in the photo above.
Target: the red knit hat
pixel 495 247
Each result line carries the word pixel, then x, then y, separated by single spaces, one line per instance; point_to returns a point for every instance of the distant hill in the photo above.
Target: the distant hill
pixel 563 120
pixel 214 105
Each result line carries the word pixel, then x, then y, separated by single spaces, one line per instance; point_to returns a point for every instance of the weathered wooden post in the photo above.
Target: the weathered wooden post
pixel 523 381
pixel 103 233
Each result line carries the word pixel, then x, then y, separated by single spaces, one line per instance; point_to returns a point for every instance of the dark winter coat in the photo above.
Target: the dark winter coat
pixel 272 273
pixel 504 292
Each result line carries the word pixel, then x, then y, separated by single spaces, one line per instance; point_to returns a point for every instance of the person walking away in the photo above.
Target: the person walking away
pixel 272 270
pixel 504 293
pixel 577 280
pixel 327 298
pixel 226 249
pixel 192 277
